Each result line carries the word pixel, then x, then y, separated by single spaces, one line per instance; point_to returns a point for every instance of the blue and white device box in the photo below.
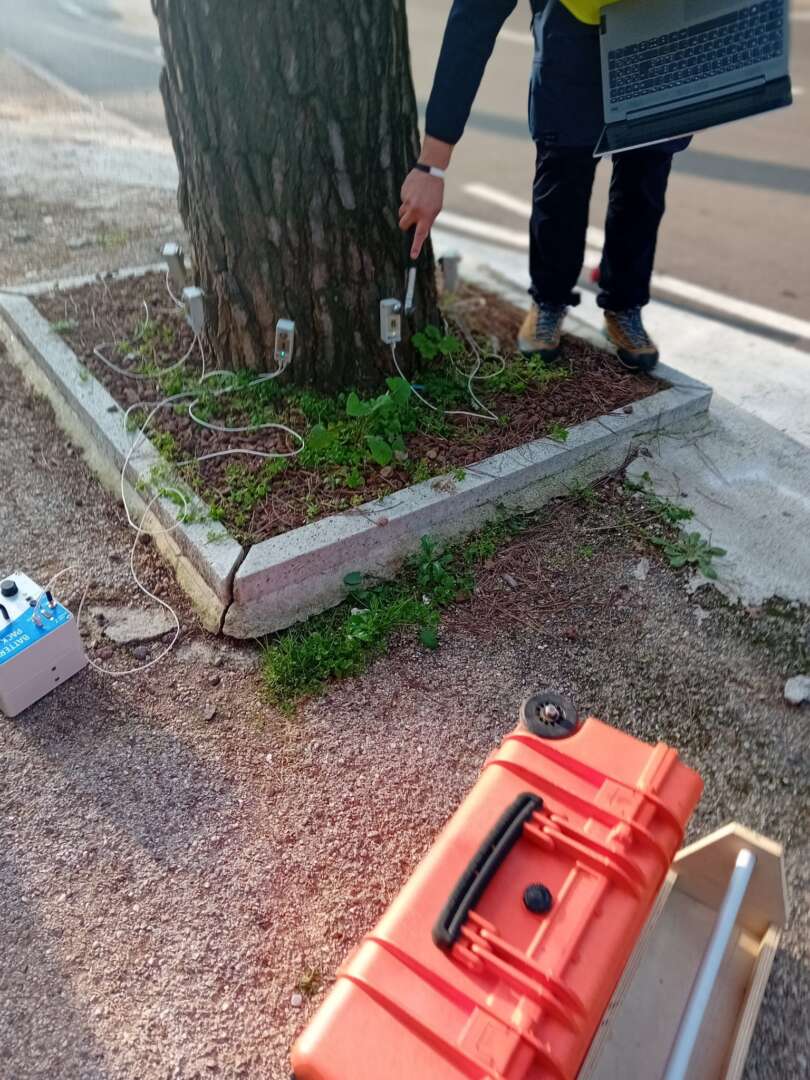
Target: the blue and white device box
pixel 40 646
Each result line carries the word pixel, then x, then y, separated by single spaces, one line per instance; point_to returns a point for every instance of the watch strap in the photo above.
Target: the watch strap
pixel 431 170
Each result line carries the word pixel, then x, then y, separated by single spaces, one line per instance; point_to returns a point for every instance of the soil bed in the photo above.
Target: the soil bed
pixel 345 460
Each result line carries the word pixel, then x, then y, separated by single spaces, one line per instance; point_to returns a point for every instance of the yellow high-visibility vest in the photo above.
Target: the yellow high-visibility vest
pixel 587 11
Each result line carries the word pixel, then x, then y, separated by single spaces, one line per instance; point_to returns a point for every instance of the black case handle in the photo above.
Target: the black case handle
pixel 470 887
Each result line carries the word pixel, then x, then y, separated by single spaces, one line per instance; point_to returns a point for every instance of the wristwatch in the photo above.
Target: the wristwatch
pixel 431 170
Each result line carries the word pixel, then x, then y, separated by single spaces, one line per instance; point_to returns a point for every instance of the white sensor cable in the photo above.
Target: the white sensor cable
pixel 485 414
pixel 140 531
pixel 177 303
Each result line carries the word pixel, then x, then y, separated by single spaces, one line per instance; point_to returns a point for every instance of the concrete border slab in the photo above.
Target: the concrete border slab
pixel 41 288
pixel 287 578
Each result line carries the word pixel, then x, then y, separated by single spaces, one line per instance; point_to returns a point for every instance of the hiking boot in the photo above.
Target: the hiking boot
pixel 541 329
pixel 626 331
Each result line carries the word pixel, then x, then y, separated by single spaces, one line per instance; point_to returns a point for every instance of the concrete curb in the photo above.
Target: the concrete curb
pixel 288 578
pixel 203 556
pixel 41 288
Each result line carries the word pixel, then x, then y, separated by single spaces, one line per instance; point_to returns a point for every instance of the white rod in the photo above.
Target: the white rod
pixel 410 290
pixel 689 1027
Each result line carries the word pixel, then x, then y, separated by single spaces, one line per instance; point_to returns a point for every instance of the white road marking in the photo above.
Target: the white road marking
pixel 473 227
pixel 682 290
pixel 741 309
pixel 72 9
pixel 516 37
pixel 101 43
pixel 595 237
pixel 797 91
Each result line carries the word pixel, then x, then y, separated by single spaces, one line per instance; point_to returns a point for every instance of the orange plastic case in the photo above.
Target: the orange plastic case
pixel 500 955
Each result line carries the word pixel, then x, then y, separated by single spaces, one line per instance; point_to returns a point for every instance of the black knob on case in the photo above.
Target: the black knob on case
pixel 9 587
pixel 537 899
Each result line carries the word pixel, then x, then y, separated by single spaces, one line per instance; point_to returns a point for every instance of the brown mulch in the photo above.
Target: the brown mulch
pixel 106 312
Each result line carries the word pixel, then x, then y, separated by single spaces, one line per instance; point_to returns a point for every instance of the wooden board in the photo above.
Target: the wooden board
pixel 641 1022
pixel 704 869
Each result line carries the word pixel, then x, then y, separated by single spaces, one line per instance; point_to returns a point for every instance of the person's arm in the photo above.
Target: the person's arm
pixel 472 28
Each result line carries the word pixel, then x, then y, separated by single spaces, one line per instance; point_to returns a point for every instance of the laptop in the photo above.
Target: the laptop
pixel 674 67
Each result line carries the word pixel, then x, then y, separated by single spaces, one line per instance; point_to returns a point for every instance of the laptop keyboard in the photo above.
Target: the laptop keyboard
pixel 715 47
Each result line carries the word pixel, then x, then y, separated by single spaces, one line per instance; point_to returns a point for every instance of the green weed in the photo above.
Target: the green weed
pixel 690 550
pixel 669 512
pixel 437 576
pixel 136 420
pixel 109 241
pixel 151 344
pixel 64 326
pixel 384 419
pixel 583 493
pixel 520 373
pixel 165 444
pixel 310 983
pixel 338 644
pixel 685 549
pixel 558 433
pixel 421 471
pixel 431 343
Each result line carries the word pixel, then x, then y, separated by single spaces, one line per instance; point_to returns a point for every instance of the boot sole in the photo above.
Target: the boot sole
pixel 544 354
pixel 644 364
pixel 632 362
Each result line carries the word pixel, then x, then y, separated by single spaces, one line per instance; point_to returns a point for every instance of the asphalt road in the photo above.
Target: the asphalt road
pixel 739 202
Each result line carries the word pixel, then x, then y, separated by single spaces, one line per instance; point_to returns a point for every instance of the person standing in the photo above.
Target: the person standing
pixel 565 120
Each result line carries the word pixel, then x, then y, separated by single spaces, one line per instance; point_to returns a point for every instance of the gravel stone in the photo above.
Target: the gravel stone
pixel 127 625
pixel 641 569
pixel 797 689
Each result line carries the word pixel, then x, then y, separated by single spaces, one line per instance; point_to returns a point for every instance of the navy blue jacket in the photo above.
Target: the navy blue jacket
pixel 565 93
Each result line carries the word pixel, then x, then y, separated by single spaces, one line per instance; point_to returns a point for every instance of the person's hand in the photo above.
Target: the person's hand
pixel 422 199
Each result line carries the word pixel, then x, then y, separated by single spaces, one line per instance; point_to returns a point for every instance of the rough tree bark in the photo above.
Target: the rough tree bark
pixel 294 124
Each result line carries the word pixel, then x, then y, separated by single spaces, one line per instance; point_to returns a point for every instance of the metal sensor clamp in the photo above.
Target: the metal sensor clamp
pixel 390 321
pixel 194 303
pixel 285 343
pixel 449 265
pixel 173 254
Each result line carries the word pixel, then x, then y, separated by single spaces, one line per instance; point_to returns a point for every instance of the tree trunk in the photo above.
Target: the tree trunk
pixel 294 124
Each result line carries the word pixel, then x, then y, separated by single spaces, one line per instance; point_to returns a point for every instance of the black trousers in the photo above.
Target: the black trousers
pixel 561 197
